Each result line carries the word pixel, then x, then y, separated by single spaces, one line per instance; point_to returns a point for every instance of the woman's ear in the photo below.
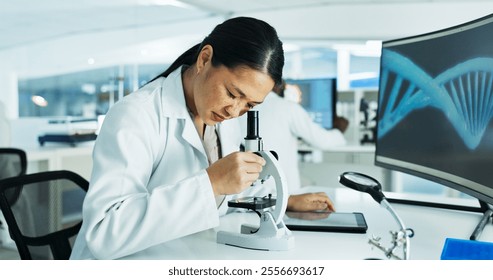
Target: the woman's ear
pixel 205 56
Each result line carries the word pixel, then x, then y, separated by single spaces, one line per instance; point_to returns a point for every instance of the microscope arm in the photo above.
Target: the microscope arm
pixel 272 168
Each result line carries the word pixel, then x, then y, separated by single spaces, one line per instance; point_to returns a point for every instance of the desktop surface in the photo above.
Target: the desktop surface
pixel 431 226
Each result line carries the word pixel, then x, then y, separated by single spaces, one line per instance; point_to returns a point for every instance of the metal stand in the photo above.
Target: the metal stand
pixel 268 236
pixel 399 238
pixel 272 233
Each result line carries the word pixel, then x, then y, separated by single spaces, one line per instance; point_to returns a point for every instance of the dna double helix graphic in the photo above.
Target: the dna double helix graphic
pixel 464 93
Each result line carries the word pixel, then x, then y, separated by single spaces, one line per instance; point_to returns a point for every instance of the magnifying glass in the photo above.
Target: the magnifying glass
pixel 362 183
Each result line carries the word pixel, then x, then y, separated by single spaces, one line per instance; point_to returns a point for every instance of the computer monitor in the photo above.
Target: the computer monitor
pixel 435 107
pixel 319 99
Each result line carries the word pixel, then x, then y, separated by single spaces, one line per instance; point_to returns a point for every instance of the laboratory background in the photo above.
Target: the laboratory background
pixel 64 64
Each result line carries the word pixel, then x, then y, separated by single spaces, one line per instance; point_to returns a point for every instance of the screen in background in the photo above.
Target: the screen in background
pixel 436 105
pixel 319 99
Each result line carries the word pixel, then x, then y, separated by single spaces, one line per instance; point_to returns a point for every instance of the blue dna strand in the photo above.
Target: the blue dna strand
pixel 462 93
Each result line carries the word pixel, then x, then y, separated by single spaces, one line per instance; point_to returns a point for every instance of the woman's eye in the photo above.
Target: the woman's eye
pixel 231 95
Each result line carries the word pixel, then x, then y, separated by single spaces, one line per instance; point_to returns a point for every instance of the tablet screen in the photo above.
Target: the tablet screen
pixel 326 221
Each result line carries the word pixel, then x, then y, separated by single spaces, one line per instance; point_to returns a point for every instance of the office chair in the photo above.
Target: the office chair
pixel 36 227
pixel 13 162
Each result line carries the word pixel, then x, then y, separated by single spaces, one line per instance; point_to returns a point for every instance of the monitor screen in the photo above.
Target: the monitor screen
pixel 319 99
pixel 435 107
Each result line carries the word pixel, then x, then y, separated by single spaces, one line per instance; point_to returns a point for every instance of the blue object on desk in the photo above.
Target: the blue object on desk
pixel 461 249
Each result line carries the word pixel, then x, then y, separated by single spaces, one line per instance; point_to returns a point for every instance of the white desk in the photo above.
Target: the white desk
pixel 431 226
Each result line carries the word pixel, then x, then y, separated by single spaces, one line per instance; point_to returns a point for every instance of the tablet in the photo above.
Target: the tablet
pixel 351 222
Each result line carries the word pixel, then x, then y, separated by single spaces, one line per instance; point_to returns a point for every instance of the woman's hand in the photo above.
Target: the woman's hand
pixel 235 172
pixel 310 202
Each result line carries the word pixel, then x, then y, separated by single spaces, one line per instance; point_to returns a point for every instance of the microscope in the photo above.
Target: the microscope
pixel 271 234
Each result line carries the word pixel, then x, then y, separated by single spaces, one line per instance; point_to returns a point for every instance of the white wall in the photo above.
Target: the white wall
pixel 9 93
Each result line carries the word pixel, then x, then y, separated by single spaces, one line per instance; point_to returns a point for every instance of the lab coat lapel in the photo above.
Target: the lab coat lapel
pixel 230 136
pixel 190 135
pixel 174 102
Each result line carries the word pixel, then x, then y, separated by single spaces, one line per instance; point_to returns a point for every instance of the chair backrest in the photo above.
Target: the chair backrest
pixel 35 223
pixel 13 162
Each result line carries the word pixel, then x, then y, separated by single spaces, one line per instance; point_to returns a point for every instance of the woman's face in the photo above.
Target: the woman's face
pixel 221 93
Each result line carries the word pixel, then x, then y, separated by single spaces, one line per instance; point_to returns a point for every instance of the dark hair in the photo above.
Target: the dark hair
pixel 279 88
pixel 240 41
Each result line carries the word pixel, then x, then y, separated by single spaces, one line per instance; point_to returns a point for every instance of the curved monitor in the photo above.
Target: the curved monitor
pixel 436 107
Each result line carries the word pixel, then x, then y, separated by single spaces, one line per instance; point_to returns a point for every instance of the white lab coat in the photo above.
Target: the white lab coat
pixel 149 184
pixel 281 122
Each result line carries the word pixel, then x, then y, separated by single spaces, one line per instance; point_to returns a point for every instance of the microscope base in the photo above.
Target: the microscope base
pixel 269 236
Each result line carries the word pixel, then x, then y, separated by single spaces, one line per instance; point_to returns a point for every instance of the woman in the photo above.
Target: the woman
pixel 158 166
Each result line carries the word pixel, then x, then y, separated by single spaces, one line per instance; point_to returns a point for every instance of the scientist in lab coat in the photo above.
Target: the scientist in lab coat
pixel 167 157
pixel 283 122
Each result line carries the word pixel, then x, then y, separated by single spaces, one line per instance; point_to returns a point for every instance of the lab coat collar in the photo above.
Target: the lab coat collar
pixel 173 97
pixel 175 107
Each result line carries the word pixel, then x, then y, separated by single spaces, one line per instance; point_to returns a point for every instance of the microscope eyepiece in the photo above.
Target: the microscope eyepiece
pixel 252 126
pixel 253 142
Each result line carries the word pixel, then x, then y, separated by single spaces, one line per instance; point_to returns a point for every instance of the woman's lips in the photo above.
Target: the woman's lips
pixel 218 117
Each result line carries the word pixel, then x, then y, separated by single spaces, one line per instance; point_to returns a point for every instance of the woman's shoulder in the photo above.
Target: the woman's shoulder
pixel 138 105
pixel 140 100
pixel 145 93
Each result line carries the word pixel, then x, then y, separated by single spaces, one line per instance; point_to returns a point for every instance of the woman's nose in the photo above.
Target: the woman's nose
pixel 233 110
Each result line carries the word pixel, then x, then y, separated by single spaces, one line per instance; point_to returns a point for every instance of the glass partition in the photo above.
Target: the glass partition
pixel 82 94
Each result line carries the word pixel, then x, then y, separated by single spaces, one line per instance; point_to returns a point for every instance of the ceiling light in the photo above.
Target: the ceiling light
pixel 174 3
pixel 39 100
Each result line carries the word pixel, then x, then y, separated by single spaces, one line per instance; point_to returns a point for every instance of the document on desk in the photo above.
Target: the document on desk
pixel 350 222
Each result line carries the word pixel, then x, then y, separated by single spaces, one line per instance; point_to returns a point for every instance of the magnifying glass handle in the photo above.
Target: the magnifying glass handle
pixel 377 195
pixel 363 183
